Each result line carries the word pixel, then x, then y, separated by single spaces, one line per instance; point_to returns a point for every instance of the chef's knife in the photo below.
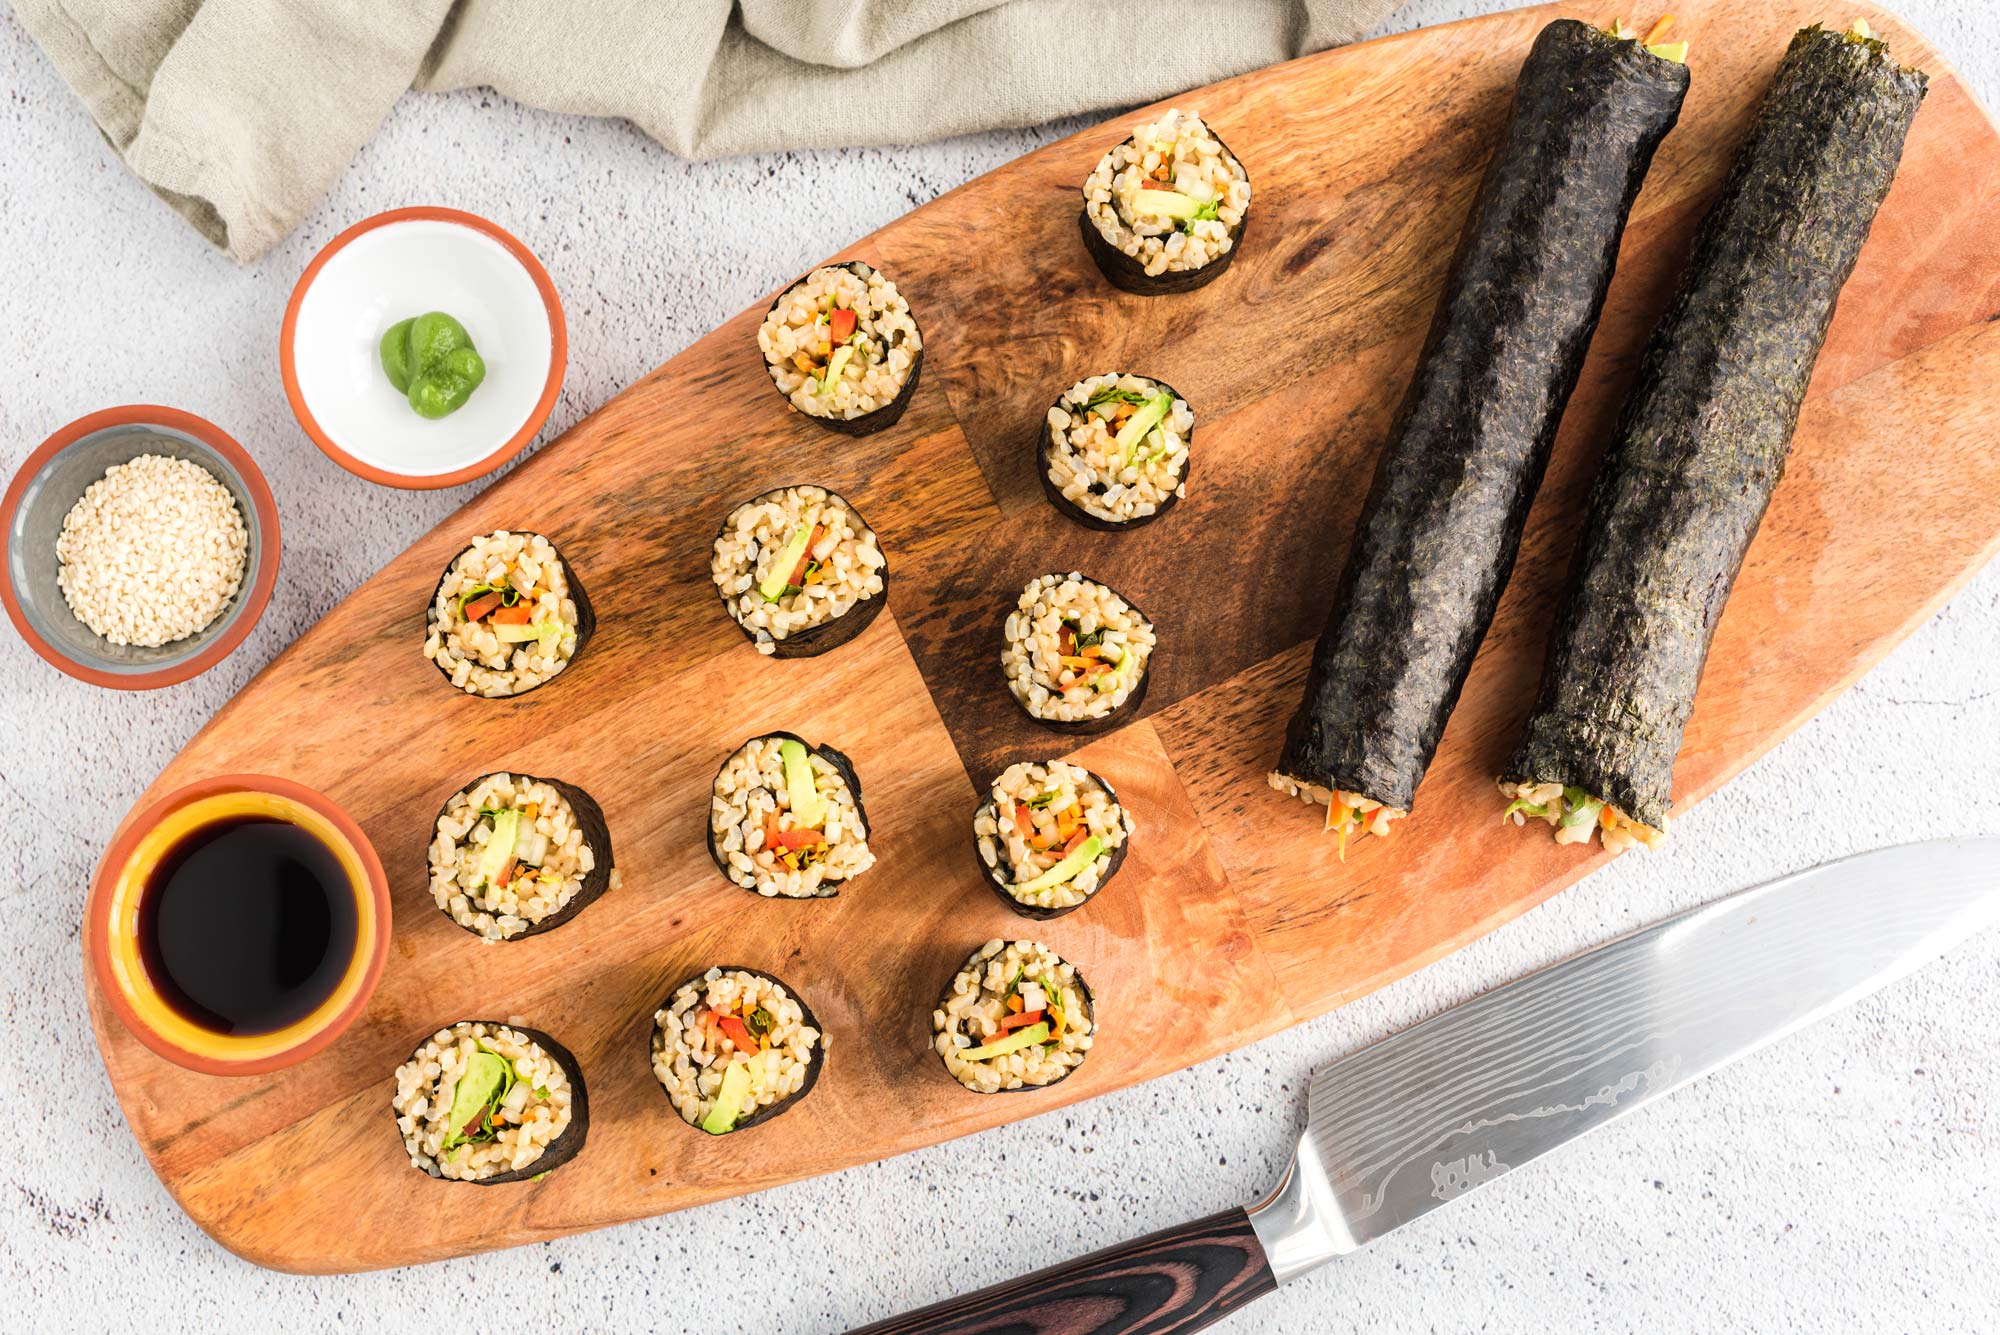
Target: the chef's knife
pixel 1421 1118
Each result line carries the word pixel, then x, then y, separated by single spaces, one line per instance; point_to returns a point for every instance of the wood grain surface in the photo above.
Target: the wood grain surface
pixel 1232 918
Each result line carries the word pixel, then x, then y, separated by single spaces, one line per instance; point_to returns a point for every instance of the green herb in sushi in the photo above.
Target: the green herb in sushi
pixel 430 360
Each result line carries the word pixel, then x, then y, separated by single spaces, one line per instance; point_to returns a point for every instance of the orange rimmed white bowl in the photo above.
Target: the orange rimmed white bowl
pixel 111 922
pixel 403 263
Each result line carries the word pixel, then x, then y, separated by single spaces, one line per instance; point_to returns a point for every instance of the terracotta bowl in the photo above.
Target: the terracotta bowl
pixel 57 474
pixel 402 263
pixel 111 937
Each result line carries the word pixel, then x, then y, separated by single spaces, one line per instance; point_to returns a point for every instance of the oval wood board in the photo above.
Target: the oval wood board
pixel 1232 918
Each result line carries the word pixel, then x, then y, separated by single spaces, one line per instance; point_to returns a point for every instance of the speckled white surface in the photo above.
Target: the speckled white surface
pixel 1844 1181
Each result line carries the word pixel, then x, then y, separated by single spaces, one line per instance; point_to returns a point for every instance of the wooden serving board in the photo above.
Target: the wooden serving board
pixel 1232 918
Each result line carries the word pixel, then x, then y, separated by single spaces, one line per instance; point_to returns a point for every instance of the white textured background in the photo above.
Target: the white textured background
pixel 1848 1180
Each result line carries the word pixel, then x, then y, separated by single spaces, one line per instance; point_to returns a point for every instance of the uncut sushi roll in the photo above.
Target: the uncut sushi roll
pixel 1442 521
pixel 488 1102
pixel 732 1047
pixel 799 571
pixel 1075 654
pixel 1015 1016
pixel 1114 450
pixel 843 348
pixel 1049 837
pixel 1165 210
pixel 508 615
pixel 513 855
pixel 1702 440
pixel 785 819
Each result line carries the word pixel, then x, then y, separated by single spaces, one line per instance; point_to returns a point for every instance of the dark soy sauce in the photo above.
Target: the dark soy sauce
pixel 247 925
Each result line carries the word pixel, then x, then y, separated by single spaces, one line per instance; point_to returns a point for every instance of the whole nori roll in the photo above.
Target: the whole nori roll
pixel 1438 533
pixel 1702 439
pixel 560 1150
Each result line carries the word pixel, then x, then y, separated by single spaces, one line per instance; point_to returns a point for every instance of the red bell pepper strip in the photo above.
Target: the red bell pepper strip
pixel 1076 840
pixel 842 326
pixel 737 1032
pixel 795 840
pixel 798 579
pixel 481 605
pixel 1021 1020
pixel 520 614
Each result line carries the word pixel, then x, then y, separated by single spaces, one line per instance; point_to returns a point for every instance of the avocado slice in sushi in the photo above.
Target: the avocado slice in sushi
pixel 1065 871
pixel 1014 1042
pixel 478 1101
pixel 518 882
pixel 706 1020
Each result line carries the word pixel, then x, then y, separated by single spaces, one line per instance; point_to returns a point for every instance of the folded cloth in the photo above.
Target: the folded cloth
pixel 240 113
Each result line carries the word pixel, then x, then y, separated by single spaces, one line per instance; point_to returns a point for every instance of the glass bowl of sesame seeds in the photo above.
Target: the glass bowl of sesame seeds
pixel 141 547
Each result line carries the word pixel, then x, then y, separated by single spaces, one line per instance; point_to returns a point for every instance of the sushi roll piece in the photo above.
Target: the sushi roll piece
pixel 843 348
pixel 508 615
pixel 1114 450
pixel 1442 522
pixel 732 1047
pixel 1015 1016
pixel 1049 837
pixel 785 819
pixel 513 855
pixel 799 571
pixel 1702 440
pixel 489 1102
pixel 1165 210
pixel 1075 654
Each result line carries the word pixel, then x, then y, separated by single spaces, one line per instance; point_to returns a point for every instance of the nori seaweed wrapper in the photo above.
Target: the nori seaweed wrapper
pixel 1442 522
pixel 586 617
pixel 564 1147
pixel 842 766
pixel 764 1114
pixel 827 635
pixel 1703 436
pixel 596 835
pixel 868 423
pixel 996 877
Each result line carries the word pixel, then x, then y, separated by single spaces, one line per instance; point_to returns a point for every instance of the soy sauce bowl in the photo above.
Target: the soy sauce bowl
pixel 404 263
pixel 148 842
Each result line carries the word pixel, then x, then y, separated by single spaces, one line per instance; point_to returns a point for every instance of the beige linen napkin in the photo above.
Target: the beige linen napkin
pixel 239 113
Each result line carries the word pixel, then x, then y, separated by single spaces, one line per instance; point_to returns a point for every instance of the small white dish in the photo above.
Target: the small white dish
pixel 403 263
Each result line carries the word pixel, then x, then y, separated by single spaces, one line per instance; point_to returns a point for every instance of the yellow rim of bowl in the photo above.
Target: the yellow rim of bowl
pixel 129 970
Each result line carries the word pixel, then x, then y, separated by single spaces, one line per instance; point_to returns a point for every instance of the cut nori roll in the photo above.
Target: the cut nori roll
pixel 487 1102
pixel 1015 1016
pixel 785 819
pixel 1049 837
pixel 1114 451
pixel 1165 210
pixel 509 614
pixel 1076 655
pixel 732 1039
pixel 1442 522
pixel 1702 439
pixel 843 347
pixel 543 857
pixel 799 571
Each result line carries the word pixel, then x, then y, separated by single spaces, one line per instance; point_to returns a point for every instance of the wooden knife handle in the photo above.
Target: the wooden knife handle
pixel 1179 1279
